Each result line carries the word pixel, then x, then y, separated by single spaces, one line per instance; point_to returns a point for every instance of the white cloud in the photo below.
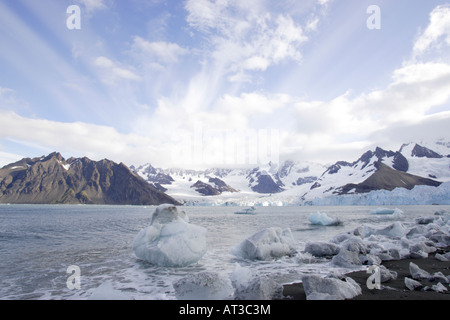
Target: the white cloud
pixel 76 138
pixel 245 36
pixel 111 72
pixel 416 88
pixel 437 32
pixel 159 52
pixel 93 5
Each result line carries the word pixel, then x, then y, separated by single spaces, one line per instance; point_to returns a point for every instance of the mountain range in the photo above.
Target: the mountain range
pixel 291 182
pixel 53 180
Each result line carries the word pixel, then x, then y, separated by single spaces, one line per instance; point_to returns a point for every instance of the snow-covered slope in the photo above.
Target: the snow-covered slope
pixel 431 161
pixel 302 182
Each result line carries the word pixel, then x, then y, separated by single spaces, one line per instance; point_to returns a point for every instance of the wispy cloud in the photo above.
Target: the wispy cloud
pixel 437 33
pixel 93 5
pixel 158 53
pixel 245 36
pixel 75 138
pixel 111 72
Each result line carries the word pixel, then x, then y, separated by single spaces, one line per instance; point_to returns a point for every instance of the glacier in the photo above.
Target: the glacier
pixel 419 195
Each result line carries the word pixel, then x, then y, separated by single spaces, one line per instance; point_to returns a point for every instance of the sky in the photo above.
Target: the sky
pixel 203 83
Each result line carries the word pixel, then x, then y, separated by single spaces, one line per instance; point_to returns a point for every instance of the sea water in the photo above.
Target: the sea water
pixel 38 243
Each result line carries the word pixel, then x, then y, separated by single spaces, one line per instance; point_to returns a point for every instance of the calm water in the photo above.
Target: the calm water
pixel 38 243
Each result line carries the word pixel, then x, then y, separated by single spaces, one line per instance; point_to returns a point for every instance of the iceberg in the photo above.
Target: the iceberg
pixel 346 259
pixel 395 211
pixel 412 284
pixel 266 244
pixel 170 240
pixel 319 288
pixel 251 286
pixel 322 219
pixel 322 249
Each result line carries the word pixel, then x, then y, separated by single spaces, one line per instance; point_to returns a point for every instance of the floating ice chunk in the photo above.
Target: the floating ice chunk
pixel 250 286
pixel 412 284
pixel 370 259
pixel 346 259
pixel 355 244
pixel 389 254
pixel 420 250
pixel 424 220
pixel 386 274
pixel 204 286
pixel 395 230
pixel 170 240
pixel 386 211
pixel 319 288
pixel 443 257
pixel 439 276
pixel 417 273
pixel 341 237
pixel 322 219
pixel 322 249
pixel 266 244
pixel 416 231
pixel 439 288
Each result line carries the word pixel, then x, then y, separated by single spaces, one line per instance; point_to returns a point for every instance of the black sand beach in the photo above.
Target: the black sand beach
pixel 393 289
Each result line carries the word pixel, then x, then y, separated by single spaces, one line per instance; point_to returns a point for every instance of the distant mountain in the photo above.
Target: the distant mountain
pixel 265 180
pixel 415 164
pixel 52 179
pixel 377 170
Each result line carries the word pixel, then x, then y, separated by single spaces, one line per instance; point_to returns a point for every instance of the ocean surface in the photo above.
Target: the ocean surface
pixel 39 242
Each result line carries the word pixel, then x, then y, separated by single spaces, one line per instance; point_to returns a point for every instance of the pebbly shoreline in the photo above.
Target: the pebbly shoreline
pixel 413 262
pixel 393 289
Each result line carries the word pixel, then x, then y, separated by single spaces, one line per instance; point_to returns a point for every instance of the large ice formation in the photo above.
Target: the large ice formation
pixel 320 288
pixel 170 240
pixel 266 244
pixel 322 219
pixel 251 286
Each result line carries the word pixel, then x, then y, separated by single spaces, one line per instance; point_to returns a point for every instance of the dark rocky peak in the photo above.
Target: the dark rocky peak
pixel 220 185
pixel 400 162
pixel 205 189
pixel 47 180
pixel 336 167
pixel 286 168
pixel 265 184
pixel 423 152
pixel 379 153
pixel 54 155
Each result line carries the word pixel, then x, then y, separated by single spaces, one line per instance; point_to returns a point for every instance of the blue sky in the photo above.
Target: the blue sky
pixel 161 81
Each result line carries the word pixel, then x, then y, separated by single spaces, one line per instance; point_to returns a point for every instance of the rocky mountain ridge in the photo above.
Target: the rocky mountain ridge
pixel 53 180
pixel 378 169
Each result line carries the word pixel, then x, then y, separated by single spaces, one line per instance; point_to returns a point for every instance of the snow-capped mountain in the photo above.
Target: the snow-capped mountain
pixel 300 182
pixel 428 160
